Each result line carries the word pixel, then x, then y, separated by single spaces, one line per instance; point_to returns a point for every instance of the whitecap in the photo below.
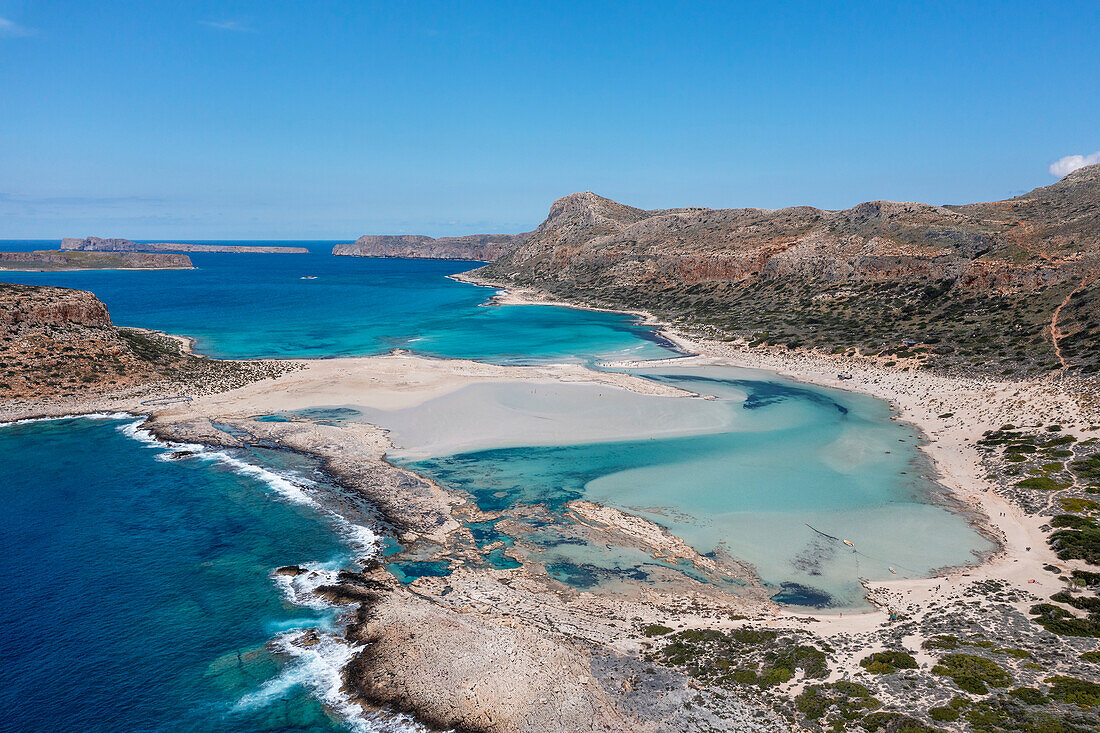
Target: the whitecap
pixel 290 486
pixel 318 667
pixel 74 416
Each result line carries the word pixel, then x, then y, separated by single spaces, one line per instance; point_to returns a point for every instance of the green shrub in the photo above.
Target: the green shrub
pixel 1028 695
pixel 1072 521
pixel 1085 578
pixel 811 660
pixel 944 715
pixel 1078 544
pixel 972 674
pixel 850 698
pixel 942 641
pixel 1060 621
pixel 888 662
pixel 1072 690
pixel 1040 483
pixel 1085 603
pixel 656 630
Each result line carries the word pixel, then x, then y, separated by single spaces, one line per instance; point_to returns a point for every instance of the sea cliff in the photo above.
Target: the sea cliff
pixel 60 353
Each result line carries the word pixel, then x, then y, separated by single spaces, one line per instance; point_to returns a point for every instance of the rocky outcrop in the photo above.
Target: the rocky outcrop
pixel 466 672
pixel 81 260
pixel 39 306
pixel 98 244
pixel 913 269
pixel 476 247
pixel 59 349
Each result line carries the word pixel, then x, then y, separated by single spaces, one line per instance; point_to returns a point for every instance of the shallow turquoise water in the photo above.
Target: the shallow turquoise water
pixel 246 306
pixel 139 594
pixel 797 463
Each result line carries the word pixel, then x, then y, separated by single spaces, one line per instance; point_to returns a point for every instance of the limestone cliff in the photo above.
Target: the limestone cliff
pixel 971 285
pixel 478 247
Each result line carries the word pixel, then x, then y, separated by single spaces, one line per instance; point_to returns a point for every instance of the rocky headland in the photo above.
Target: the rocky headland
pixel 98 244
pixel 53 260
pixel 1008 288
pixel 476 247
pixel 60 353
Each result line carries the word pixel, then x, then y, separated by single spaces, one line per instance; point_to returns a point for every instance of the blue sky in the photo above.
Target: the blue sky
pixel 329 120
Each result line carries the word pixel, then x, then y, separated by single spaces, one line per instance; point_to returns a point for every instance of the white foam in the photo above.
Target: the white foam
pixel 318 668
pixel 290 486
pixel 299 589
pixel 87 416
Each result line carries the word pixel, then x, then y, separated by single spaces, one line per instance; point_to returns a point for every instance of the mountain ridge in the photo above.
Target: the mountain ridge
pixel 943 276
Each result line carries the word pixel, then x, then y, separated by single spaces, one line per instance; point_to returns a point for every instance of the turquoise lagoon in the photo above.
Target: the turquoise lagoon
pixel 791 472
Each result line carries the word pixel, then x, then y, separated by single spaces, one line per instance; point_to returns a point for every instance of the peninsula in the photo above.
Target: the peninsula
pixel 976 323
pixel 907 283
pixel 98 244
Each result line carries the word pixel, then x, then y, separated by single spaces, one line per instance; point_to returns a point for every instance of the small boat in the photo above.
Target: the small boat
pixel 308 277
pixel 895 572
pixel 849 543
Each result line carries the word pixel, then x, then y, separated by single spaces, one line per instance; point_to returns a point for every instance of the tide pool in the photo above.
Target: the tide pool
pixel 140 593
pixel 258 306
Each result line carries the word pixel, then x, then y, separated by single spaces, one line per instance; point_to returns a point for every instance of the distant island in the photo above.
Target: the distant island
pixel 475 247
pixel 98 244
pixel 53 260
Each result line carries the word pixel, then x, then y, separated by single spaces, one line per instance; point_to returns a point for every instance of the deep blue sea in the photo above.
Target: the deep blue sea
pixel 140 594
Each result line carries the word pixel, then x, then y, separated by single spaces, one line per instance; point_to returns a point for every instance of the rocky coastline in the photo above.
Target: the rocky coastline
pixel 511 649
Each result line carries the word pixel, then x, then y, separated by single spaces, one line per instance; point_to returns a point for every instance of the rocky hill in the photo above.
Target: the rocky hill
pixel 49 259
pixel 58 345
pixel 98 244
pixel 479 247
pixel 1009 286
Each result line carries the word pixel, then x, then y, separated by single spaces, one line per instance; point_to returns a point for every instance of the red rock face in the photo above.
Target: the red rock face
pixel 56 341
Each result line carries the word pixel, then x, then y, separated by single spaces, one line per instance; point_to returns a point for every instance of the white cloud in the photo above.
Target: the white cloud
pixel 228 25
pixel 1064 166
pixel 11 29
